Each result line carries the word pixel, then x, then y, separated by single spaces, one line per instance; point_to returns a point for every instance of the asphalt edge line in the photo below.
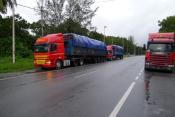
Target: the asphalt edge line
pixel 79 76
pixel 13 77
pixel 21 76
pixel 116 110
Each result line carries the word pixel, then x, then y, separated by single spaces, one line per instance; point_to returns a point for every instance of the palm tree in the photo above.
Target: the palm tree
pixel 6 3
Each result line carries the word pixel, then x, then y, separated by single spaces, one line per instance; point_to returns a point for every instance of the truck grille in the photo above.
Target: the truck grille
pixel 159 60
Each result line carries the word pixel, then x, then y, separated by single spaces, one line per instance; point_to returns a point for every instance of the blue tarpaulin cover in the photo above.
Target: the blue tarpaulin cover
pixel 117 50
pixel 83 41
pixel 81 45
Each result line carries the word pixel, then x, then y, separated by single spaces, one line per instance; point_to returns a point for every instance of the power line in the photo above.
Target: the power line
pixel 43 10
pixel 28 7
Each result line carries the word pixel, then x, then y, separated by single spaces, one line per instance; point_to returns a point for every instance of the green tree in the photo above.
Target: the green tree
pixel 52 12
pixel 131 45
pixel 4 4
pixel 64 16
pixel 96 35
pixel 70 26
pixel 167 25
pixel 36 28
pixel 24 40
pixel 21 26
pixel 80 11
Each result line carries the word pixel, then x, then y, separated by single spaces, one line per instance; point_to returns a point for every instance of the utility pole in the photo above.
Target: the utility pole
pixel 127 46
pixel 104 33
pixel 123 44
pixel 13 31
pixel 135 49
pixel 42 23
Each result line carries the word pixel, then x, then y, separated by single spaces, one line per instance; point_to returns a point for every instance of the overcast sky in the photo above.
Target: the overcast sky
pixel 122 17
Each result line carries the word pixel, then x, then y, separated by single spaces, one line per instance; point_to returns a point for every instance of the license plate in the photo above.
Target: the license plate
pixel 40 61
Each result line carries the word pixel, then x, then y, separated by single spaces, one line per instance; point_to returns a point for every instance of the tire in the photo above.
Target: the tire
pixel 95 60
pixel 103 60
pixel 58 64
pixel 98 60
pixel 146 69
pixel 170 71
pixel 81 62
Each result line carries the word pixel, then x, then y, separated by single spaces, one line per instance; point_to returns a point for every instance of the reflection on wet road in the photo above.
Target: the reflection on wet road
pixel 147 88
pixel 159 92
pixel 112 89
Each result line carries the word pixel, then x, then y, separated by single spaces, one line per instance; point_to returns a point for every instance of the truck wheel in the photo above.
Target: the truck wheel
pixel 146 69
pixel 81 62
pixel 58 64
pixel 170 71
pixel 95 60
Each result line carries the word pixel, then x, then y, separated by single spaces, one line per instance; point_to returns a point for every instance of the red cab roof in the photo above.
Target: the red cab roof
pixel 56 38
pixel 161 37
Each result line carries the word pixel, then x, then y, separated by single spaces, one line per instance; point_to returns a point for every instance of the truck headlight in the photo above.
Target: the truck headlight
pixel 48 62
pixel 147 63
pixel 171 66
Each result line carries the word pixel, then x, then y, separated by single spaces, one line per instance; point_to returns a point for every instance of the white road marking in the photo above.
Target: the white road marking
pixel 140 73
pixel 116 110
pixel 137 78
pixel 142 70
pixel 76 77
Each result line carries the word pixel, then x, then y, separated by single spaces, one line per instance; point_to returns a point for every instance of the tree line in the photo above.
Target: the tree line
pixel 66 16
pixel 27 33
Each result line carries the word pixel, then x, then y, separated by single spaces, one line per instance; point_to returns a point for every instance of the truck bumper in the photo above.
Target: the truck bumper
pixel 157 67
pixel 45 65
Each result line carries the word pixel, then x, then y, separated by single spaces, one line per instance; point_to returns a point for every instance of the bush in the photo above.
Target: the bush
pixel 21 64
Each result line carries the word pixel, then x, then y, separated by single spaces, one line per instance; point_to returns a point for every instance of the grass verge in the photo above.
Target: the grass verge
pixel 21 64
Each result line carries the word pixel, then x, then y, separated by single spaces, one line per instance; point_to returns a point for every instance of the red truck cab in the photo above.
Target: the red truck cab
pixel 160 53
pixel 48 51
pixel 109 52
pixel 114 52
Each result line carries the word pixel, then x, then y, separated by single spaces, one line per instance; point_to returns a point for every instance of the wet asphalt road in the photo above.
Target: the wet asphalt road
pixel 118 88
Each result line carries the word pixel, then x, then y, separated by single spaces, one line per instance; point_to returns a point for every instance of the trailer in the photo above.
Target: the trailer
pixel 114 52
pixel 59 50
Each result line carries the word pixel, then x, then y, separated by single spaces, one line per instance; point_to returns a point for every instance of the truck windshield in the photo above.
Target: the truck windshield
pixel 109 51
pixel 154 47
pixel 41 47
